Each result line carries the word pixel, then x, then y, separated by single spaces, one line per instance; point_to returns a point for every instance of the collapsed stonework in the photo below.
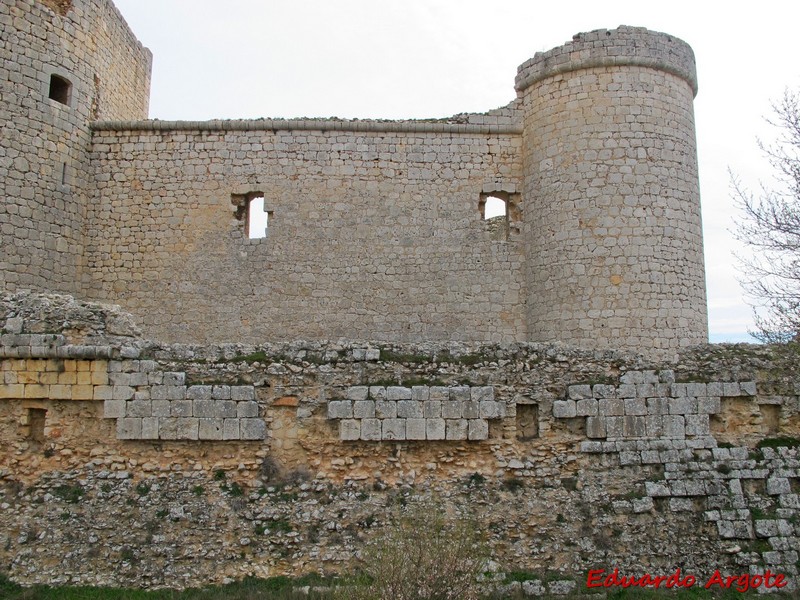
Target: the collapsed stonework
pixel 126 459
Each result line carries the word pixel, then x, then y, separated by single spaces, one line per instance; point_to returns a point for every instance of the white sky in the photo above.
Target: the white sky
pixel 399 59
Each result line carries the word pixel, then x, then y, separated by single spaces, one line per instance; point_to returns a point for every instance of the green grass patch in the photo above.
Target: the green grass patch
pixel 70 494
pixel 259 356
pixel 779 442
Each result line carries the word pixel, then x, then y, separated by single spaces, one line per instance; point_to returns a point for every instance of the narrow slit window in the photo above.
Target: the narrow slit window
pixel 257 218
pixel 60 89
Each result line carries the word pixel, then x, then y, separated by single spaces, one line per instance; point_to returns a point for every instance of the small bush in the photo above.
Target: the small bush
pixel 71 494
pixel 425 555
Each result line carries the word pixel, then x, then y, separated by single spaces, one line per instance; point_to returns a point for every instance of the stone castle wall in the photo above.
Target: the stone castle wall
pixel 44 142
pixel 376 228
pixel 121 464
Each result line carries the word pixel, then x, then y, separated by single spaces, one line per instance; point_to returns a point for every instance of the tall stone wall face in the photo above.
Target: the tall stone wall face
pixel 112 470
pixel 613 227
pixel 44 141
pixel 374 230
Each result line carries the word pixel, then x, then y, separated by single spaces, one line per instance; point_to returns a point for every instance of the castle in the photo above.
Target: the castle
pixel 259 402
pixel 375 228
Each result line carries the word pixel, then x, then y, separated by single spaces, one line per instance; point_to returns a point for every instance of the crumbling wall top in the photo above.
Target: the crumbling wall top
pixel 634 46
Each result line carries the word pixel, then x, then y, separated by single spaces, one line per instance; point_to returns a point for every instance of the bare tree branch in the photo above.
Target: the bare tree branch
pixel 770 227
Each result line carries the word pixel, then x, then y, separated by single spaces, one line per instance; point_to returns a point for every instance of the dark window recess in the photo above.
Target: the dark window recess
pixel 527 422
pixel 36 418
pixel 60 89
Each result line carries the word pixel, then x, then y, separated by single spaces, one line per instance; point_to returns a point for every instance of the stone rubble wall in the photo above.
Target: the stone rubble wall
pixel 83 504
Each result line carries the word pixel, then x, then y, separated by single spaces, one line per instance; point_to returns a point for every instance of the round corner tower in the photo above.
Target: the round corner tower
pixel 612 205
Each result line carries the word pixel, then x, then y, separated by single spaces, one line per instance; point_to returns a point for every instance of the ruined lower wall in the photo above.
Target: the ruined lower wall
pixel 126 460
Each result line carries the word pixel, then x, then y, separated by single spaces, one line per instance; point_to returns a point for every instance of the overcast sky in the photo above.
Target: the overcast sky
pixel 435 58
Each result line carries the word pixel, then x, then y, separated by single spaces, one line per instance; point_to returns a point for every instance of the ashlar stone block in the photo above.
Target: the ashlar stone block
pixel 420 393
pixel 182 408
pixel 579 392
pixel 377 392
pixel 129 428
pixel 398 393
pixel 385 409
pixel 364 409
pixel 199 392
pixel 596 427
pixel 349 430
pixel 471 409
pixel 409 409
pixel 478 429
pixel 243 393
pixel 611 407
pixel 439 393
pixel 210 429
pixel 248 409
pixel 359 392
pixel 460 393
pixel 340 409
pixel 697 425
pixel 435 429
pixel 393 429
pixel 452 409
pixel 564 409
pixel 457 429
pixel 587 407
pixel 432 409
pixel 168 428
pixel 483 393
pixel 114 409
pixel 415 429
pixel 492 410
pixel 187 428
pixel 252 429
pixel 203 408
pixel 230 429
pixel 150 428
pixel 371 429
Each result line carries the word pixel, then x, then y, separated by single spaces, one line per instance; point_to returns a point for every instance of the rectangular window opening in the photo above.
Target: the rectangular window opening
pixel 60 89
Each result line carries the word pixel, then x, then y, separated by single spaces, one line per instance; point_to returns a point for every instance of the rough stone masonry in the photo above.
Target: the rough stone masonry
pixel 376 228
pixel 384 343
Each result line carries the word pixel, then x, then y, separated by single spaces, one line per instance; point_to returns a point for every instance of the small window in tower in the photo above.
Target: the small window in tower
pixel 36 418
pixel 60 89
pixel 257 218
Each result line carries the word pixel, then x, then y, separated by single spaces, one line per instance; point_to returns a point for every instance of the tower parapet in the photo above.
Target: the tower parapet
pixel 614 253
